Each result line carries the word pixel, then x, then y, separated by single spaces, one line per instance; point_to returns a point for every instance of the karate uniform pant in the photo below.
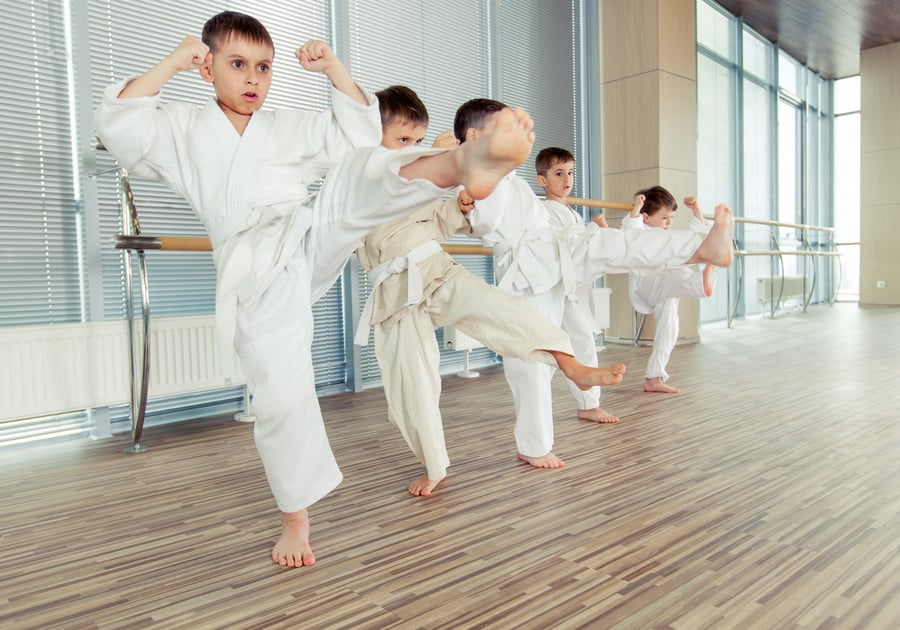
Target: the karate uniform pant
pixel 409 357
pixel 530 384
pixel 578 322
pixel 661 292
pixel 274 332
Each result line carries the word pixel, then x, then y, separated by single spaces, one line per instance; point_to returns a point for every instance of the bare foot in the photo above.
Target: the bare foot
pixel 422 486
pixel 716 249
pixel 584 376
pixel 709 279
pixel 597 414
pixel 292 549
pixel 657 386
pixel 492 157
pixel 544 461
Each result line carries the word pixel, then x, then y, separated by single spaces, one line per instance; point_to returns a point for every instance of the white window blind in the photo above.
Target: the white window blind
pixel 40 220
pixel 129 37
pixel 537 68
pixel 449 52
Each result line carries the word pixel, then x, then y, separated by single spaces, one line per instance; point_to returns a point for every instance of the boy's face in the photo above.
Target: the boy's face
pixel 662 218
pixel 557 182
pixel 241 72
pixel 401 133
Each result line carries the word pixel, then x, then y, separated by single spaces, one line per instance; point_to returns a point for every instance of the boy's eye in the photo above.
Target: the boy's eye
pixel 262 68
pixel 419 141
pixel 237 64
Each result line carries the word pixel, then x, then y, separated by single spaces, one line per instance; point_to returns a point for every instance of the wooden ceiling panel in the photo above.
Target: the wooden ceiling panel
pixel 826 35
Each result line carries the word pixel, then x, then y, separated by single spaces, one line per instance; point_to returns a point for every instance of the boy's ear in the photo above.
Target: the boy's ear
pixel 645 216
pixel 471 133
pixel 205 69
pixel 542 181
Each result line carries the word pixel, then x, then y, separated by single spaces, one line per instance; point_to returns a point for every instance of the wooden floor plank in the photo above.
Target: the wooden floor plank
pixel 766 494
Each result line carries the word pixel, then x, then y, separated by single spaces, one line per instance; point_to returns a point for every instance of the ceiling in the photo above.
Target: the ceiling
pixel 825 35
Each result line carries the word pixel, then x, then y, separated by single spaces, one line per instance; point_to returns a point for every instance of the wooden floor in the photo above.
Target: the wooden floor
pixel 765 495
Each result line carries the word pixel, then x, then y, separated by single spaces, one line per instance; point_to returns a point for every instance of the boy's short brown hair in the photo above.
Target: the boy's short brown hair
pixel 655 199
pixel 400 103
pixel 549 156
pixel 227 24
pixel 472 115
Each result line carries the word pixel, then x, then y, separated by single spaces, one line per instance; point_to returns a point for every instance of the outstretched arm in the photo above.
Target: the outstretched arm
pixel 317 56
pixel 190 54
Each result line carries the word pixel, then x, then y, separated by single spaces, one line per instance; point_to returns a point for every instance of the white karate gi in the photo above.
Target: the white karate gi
pixel 545 264
pixel 276 249
pixel 446 295
pixel 658 293
pixel 578 316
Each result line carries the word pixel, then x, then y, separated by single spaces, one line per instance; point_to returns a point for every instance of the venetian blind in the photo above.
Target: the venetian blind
pixel 40 218
pixel 128 37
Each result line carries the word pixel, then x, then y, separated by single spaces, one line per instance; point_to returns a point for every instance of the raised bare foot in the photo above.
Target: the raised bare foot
pixel 544 461
pixel 709 280
pixel 657 386
pixel 716 249
pixel 586 377
pixel 292 549
pixel 597 414
pixel 494 155
pixel 422 486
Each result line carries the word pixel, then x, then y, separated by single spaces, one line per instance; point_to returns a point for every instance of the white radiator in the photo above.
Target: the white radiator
pixel 455 339
pixel 600 307
pixel 767 289
pixel 46 370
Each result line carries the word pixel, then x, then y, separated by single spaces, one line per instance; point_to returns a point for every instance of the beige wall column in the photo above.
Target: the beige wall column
pixel 649 129
pixel 879 165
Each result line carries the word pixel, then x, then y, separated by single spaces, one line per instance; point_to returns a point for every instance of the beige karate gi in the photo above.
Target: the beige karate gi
pixel 405 343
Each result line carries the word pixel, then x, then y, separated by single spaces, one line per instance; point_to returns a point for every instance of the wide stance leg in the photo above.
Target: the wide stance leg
pixel 409 359
pixel 531 386
pixel 577 323
pixel 273 339
pixel 666 314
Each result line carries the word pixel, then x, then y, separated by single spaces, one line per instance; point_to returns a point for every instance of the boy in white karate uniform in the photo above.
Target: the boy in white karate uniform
pixel 545 265
pixel 555 168
pixel 659 292
pixel 417 286
pixel 245 172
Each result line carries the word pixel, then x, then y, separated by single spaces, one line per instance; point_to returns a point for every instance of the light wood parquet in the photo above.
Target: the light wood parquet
pixel 765 495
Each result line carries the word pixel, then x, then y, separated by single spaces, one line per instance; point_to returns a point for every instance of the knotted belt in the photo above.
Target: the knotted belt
pixel 408 263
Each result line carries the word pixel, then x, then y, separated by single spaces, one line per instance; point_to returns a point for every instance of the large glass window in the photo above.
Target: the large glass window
pixel 847 183
pixel 768 154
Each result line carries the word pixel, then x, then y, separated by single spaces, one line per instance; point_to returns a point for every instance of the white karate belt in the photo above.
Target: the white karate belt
pixel 408 263
pixel 235 240
pixel 507 256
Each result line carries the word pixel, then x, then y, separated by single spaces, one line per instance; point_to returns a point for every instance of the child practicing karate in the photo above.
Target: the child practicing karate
pixel 418 287
pixel 545 265
pixel 659 292
pixel 245 172
pixel 555 168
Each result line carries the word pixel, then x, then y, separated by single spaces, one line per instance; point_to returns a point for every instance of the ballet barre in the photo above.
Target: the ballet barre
pixel 134 244
pixel 807 251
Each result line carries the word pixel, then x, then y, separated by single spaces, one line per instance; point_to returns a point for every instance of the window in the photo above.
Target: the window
pixel 847 183
pixel 764 146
